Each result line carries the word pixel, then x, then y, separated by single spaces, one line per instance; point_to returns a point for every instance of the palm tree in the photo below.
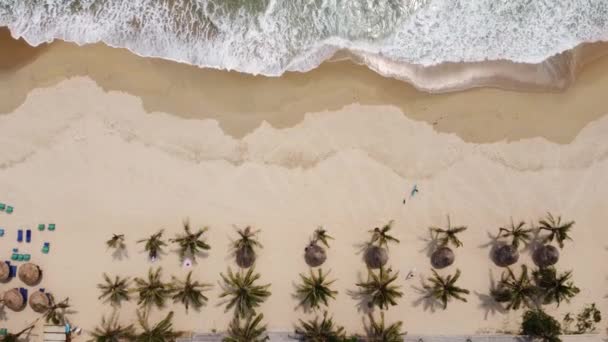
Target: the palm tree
pixel 244 247
pixel 243 295
pixel 315 290
pixel 55 312
pixel 154 244
pixel 517 233
pixel 314 254
pixel 515 290
pixel 190 244
pixel 558 231
pixel 117 242
pixel 112 331
pixel 323 331
pixel 160 332
pixel 114 291
pixel 445 289
pixel 15 337
pixel 443 256
pixel 189 292
pixel 379 288
pixel 448 235
pixel 379 332
pixel 152 291
pixel 553 287
pixel 376 253
pixel 250 332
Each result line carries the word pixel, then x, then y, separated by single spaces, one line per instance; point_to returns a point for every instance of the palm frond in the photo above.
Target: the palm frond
pixel 379 288
pixel 320 331
pixel 381 237
pixel 160 332
pixel 56 311
pixel 444 289
pixel 377 331
pixel 553 287
pixel 116 242
pixel 189 292
pixel 517 233
pixel 449 235
pixel 250 331
pixel 242 293
pixel 322 237
pixel 114 291
pixel 190 244
pixel 154 244
pixel 557 230
pixel 111 330
pixel 152 291
pixel 315 290
pixel 515 291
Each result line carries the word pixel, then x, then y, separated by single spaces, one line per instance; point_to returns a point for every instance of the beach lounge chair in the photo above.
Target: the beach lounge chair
pixel 1 232
pixel 14 256
pixel 51 226
pixel 13 271
pixel 41 227
pixel 46 247
pixel 20 235
pixel 23 293
pixel 27 257
pixel 2 206
pixel 28 236
pixel 9 209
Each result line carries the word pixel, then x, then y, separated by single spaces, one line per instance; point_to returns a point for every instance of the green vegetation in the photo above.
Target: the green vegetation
pixel 554 288
pixel 152 291
pixel 322 237
pixel 115 291
pixel 445 289
pixel 315 290
pixel 381 237
pixel 250 331
pixel 379 332
pixel 557 230
pixel 537 325
pixel 160 332
pixel 241 292
pixel 515 290
pixel 111 330
pixel 116 242
pixel 56 311
pixel 189 292
pixel 586 320
pixel 320 331
pixel 517 233
pixel 379 288
pixel 154 244
pixel 190 244
pixel 449 235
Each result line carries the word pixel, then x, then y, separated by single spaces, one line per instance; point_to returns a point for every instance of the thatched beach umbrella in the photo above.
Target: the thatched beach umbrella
pixel 4 271
pixel 14 300
pixel 545 256
pixel 442 257
pixel 314 255
pixel 29 273
pixel 376 257
pixel 39 301
pixel 504 254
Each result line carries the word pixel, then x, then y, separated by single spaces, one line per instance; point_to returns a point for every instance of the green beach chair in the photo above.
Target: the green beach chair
pixel 52 227
pixel 26 257
pixel 41 227
pixel 2 206
pixel 15 257
pixel 20 257
pixel 9 209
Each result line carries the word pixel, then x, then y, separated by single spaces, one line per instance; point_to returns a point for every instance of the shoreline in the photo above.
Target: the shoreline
pixel 193 93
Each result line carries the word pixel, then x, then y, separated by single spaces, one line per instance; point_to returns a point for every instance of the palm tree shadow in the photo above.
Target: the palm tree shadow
pixel 488 304
pixel 535 241
pixel 364 303
pixel 431 244
pixel 428 302
pixel 3 316
pixel 120 254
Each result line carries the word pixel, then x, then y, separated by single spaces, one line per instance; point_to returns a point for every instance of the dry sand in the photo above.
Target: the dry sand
pixel 100 141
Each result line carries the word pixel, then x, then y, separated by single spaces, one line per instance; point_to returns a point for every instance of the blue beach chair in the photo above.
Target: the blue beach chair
pixel 20 235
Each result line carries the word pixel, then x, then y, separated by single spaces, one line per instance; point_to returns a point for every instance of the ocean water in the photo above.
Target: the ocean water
pixel 270 37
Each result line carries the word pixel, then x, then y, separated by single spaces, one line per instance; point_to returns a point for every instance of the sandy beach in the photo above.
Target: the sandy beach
pixel 100 141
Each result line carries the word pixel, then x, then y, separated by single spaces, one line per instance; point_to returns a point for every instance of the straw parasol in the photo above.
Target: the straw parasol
pixel 14 300
pixel 29 273
pixel 39 301
pixel 4 271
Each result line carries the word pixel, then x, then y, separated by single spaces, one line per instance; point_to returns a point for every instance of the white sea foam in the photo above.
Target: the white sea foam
pixel 270 37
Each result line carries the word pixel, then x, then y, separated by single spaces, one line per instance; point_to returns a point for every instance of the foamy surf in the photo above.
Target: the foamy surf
pixel 408 40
